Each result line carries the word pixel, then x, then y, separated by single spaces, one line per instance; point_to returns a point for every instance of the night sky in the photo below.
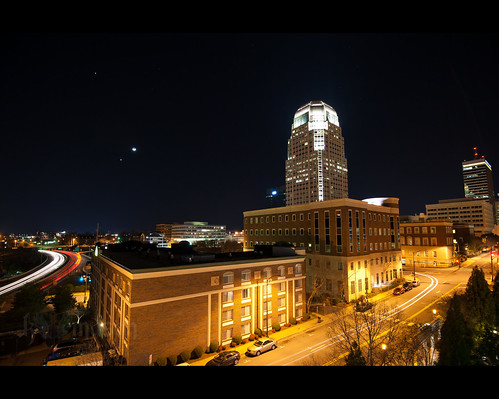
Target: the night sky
pixel 210 115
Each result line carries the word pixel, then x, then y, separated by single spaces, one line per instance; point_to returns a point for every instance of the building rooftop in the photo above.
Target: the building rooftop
pixel 136 256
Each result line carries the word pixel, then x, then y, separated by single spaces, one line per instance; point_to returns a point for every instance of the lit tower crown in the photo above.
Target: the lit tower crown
pixel 316 168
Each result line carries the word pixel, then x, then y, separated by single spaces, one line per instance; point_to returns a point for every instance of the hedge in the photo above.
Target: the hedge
pixel 197 352
pixel 184 356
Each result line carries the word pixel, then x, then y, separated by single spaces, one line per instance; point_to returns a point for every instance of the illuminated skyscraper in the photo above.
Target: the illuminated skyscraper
pixel 316 168
pixel 477 177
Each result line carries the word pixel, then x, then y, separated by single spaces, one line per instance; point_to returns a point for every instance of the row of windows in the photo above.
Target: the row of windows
pixel 377 231
pixel 361 285
pixel 359 264
pixel 228 277
pixel 228 296
pixel 245 327
pixel 301 216
pixel 417 229
pixel 422 241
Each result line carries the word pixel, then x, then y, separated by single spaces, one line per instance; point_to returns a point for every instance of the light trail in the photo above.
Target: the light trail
pixel 72 264
pixel 333 340
pixel 57 261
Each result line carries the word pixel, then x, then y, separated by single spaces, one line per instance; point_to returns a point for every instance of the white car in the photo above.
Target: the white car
pixel 262 345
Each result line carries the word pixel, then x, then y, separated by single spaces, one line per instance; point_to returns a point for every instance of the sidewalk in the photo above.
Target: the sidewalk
pixel 285 332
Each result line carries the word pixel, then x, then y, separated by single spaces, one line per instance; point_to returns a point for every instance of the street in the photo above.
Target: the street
pixel 315 346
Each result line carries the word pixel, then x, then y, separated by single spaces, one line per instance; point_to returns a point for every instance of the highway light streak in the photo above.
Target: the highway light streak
pixel 57 261
pixel 333 340
pixel 73 263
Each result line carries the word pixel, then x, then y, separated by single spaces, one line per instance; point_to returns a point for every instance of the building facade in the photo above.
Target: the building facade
pixel 198 231
pixel 464 210
pixel 427 243
pixel 477 178
pixel 316 167
pixel 352 247
pixel 156 307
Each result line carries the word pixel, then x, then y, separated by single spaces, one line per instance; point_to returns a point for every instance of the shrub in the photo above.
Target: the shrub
pixel 258 331
pixel 251 337
pixel 184 356
pixel 237 339
pixel 213 346
pixel 161 361
pixel 292 320
pixel 276 326
pixel 171 360
pixel 197 352
pixel 306 316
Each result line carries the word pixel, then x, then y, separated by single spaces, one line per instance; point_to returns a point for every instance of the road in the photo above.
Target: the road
pixel 60 264
pixel 56 262
pixel 314 347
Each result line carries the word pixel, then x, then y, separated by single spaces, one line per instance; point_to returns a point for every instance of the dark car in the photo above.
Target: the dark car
pixel 363 306
pixel 407 286
pixel 225 358
pixel 398 291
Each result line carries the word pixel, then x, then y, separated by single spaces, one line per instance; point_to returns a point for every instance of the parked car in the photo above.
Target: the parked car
pixel 415 283
pixel 262 345
pixel 398 291
pixel 407 286
pixel 225 358
pixel 363 306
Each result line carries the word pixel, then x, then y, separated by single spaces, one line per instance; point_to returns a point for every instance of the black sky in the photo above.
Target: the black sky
pixel 210 115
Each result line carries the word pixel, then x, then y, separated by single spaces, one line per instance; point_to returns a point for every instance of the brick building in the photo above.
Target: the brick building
pixel 427 243
pixel 156 303
pixel 352 247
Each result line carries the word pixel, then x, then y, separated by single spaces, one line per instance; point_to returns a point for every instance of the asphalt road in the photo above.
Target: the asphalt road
pixel 315 347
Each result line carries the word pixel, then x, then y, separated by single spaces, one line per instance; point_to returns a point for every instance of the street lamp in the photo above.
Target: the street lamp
pixel 491 267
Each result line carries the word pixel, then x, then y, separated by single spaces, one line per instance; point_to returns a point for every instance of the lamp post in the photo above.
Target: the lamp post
pixel 491 267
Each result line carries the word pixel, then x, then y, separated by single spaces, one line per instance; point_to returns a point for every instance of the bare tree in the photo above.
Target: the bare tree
pixel 318 283
pixel 373 331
